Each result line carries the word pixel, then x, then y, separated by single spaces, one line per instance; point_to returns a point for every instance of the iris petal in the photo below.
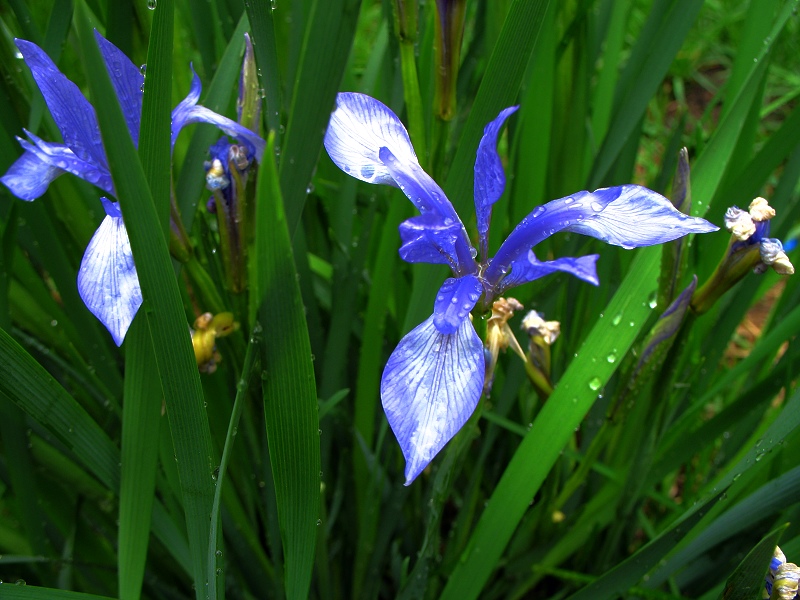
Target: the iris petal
pixel 71 111
pixel 425 238
pixel 490 180
pixel 62 157
pixel 29 176
pixel 430 387
pixel 456 298
pixel 127 81
pixel 429 198
pixel 529 268
pixel 359 127
pixel 107 280
pixel 629 216
pixel 188 111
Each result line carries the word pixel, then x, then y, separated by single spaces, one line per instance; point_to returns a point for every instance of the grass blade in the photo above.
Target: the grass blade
pixel 176 363
pixel 290 398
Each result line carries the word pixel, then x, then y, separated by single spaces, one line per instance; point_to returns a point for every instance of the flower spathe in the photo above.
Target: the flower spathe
pixel 433 379
pixel 107 279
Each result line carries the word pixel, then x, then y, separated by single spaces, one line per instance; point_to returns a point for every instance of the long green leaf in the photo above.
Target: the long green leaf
pixel 36 392
pixel 326 44
pixel 290 398
pixel 162 305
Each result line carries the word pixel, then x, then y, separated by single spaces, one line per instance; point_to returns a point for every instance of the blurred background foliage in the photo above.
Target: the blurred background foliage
pixel 660 478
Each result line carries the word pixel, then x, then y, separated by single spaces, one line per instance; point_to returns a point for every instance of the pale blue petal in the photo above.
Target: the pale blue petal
pixel 639 217
pixel 29 176
pixel 107 280
pixel 456 298
pixel 359 127
pixel 430 387
pixel 71 111
pixel 188 111
pixel 425 238
pixel 629 216
pixel 62 157
pixel 528 268
pixel 490 180
pixel 127 80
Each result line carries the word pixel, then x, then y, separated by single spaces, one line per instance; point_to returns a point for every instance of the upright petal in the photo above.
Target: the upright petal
pixel 430 387
pixel 29 176
pixel 456 298
pixel 629 216
pixel 490 180
pixel 359 127
pixel 71 111
pixel 529 268
pixel 188 111
pixel 127 80
pixel 107 280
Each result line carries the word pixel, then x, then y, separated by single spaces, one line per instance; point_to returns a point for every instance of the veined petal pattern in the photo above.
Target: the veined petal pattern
pixel 359 127
pixel 430 387
pixel 107 280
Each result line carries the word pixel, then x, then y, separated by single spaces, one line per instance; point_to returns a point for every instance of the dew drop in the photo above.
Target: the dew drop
pixel 653 302
pixel 612 358
pixel 151 4
pixel 595 384
pixel 539 210
pixel 218 553
pixel 615 321
pixel 597 207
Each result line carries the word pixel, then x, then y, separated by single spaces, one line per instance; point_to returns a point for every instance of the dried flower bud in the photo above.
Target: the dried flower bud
pixel 760 210
pixel 534 325
pixel 772 254
pixel 739 223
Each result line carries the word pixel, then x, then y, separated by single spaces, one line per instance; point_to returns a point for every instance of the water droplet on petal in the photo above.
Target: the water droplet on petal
pixel 597 207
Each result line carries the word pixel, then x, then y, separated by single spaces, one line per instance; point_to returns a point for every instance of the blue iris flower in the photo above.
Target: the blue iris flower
pixel 107 280
pixel 433 379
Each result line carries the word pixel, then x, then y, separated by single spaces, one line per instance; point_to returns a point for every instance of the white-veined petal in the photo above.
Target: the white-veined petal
pixel 107 280
pixel 430 387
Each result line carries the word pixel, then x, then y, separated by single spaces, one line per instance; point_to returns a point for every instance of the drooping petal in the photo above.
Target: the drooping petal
pixel 107 280
pixel 29 176
pixel 430 387
pixel 490 180
pixel 429 198
pixel 71 111
pixel 629 216
pixel 528 268
pixel 188 111
pixel 425 238
pixel 127 80
pixel 62 157
pixel 456 298
pixel 359 127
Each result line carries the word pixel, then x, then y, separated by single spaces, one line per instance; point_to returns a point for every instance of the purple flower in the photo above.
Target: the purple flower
pixel 107 279
pixel 433 380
